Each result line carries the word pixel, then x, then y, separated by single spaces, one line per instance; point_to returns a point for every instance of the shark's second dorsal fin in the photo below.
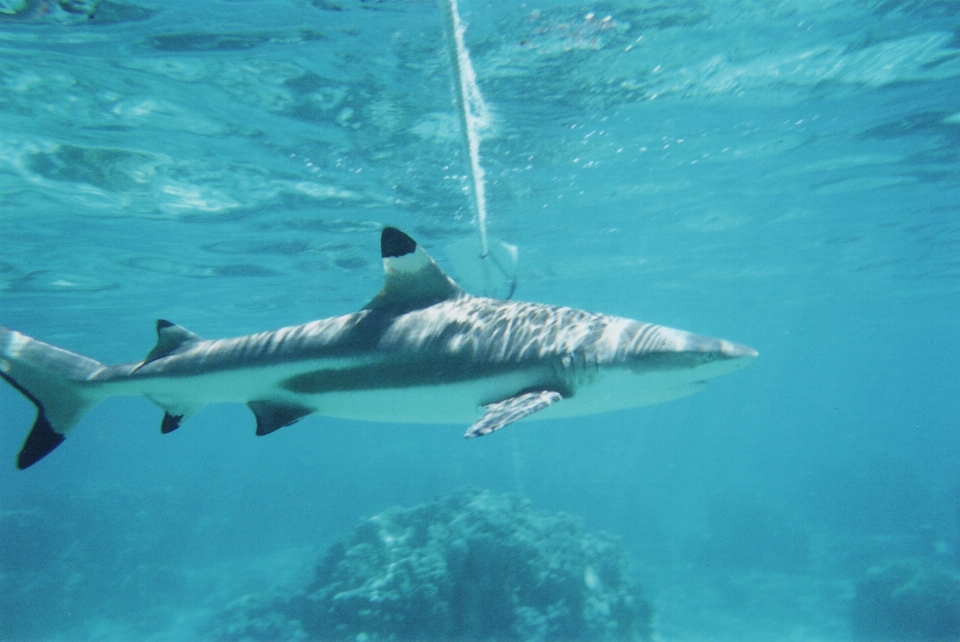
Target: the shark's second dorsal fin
pixel 411 279
pixel 170 338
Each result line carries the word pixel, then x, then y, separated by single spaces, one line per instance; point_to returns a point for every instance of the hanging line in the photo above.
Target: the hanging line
pixel 474 114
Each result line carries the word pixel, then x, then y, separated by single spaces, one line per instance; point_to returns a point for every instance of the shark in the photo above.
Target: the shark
pixel 421 351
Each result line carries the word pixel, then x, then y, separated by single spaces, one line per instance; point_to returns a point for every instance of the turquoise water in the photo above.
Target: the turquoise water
pixel 781 175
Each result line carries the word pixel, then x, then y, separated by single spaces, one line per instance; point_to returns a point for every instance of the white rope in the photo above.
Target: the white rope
pixel 474 114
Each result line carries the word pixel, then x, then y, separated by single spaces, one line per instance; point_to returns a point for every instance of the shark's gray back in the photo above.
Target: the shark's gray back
pixel 470 329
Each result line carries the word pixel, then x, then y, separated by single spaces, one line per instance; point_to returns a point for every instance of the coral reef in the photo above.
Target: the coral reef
pixel 907 601
pixel 469 566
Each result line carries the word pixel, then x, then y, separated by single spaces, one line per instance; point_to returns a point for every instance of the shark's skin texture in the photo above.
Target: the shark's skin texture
pixel 422 351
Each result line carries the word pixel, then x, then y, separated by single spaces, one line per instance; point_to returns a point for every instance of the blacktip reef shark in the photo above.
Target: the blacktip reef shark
pixel 422 351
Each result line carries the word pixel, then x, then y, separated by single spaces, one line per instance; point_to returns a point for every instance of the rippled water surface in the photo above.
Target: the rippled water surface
pixel 783 175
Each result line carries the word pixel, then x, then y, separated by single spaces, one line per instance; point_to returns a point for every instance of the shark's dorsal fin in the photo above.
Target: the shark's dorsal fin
pixel 411 279
pixel 170 338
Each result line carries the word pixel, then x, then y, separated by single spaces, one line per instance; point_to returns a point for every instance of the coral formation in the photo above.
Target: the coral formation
pixel 905 602
pixel 471 566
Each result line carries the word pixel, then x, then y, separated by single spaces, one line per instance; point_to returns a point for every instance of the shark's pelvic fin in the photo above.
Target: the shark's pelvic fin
pixel 273 415
pixel 411 279
pixel 510 410
pixel 171 338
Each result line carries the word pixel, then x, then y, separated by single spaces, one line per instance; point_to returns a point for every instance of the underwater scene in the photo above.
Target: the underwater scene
pixel 781 175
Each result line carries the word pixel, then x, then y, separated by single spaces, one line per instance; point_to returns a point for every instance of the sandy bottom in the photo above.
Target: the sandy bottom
pixel 748 607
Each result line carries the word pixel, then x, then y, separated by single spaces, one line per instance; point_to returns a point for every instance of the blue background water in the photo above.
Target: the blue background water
pixel 782 175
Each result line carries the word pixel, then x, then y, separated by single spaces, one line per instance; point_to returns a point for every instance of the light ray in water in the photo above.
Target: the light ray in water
pixel 475 117
pixel 474 113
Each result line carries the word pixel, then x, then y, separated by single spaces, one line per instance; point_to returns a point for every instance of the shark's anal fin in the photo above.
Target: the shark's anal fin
pixel 175 412
pixel 510 410
pixel 273 415
pixel 170 422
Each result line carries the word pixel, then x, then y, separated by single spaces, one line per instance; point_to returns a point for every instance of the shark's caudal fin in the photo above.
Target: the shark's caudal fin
pixel 56 381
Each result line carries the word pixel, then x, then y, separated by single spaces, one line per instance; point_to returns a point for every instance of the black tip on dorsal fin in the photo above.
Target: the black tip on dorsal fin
pixel 393 242
pixel 170 338
pixel 411 279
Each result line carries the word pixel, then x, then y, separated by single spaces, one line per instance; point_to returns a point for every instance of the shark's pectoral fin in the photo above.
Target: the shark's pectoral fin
pixel 510 410
pixel 273 415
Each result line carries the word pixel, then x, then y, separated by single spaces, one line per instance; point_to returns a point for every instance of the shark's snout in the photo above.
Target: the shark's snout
pixel 717 356
pixel 737 351
pixel 717 348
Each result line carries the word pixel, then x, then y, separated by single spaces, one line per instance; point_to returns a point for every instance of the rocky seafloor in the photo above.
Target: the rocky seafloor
pixel 907 601
pixel 470 566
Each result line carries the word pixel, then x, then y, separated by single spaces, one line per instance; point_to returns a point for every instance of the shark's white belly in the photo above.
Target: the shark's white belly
pixel 463 402
pixel 455 402
pixel 437 402
pixel 459 402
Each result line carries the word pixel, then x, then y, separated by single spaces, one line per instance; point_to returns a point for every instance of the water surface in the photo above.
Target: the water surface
pixel 784 175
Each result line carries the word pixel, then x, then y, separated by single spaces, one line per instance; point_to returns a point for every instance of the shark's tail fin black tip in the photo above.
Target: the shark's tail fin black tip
pixel 52 379
pixel 40 442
